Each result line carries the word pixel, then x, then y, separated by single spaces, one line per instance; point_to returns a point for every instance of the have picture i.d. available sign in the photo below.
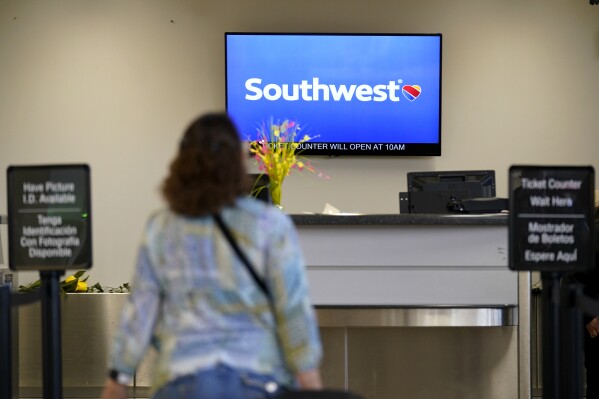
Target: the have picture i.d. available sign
pixel 49 217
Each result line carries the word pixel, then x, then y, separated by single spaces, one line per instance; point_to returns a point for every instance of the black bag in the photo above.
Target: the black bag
pixel 287 393
pixel 318 394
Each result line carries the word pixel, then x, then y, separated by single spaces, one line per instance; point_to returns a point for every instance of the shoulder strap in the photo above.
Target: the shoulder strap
pixel 242 256
pixel 250 268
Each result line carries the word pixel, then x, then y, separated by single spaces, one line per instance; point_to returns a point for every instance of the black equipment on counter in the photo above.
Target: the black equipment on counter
pixel 451 192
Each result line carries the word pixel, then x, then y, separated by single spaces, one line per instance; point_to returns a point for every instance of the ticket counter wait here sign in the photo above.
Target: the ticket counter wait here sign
pixel 552 222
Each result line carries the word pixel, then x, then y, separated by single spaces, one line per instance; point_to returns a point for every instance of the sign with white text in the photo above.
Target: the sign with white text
pixel 551 218
pixel 49 217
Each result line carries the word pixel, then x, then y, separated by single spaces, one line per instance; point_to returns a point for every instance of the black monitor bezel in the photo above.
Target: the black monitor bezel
pixel 394 149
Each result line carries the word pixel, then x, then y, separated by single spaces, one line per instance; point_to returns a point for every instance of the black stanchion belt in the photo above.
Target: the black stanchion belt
pixel 587 304
pixel 25 298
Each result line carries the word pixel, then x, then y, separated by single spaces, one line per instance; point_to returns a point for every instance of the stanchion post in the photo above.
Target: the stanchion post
pixel 551 336
pixel 51 335
pixel 572 342
pixel 5 344
pixel 41 198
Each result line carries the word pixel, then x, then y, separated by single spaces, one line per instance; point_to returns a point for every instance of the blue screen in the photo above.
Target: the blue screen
pixel 359 94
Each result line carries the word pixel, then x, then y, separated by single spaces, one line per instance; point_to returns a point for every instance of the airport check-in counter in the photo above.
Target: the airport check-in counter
pixel 410 306
pixel 419 306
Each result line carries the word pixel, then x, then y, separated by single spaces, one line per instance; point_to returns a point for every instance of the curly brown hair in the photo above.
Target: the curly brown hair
pixel 208 172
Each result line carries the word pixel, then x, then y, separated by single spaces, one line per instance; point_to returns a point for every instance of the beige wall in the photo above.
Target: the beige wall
pixel 113 83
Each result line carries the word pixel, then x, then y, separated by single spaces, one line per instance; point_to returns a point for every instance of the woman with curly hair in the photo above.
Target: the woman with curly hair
pixel 214 330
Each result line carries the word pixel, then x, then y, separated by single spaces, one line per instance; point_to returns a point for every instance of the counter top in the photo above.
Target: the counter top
pixel 401 219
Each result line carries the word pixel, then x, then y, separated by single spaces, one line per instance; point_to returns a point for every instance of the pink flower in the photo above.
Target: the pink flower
pixel 276 150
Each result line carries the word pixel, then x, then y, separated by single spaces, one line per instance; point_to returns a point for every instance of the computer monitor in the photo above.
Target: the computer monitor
pixel 354 93
pixel 444 192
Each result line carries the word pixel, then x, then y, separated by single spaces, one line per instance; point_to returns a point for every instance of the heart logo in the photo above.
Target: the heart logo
pixel 411 92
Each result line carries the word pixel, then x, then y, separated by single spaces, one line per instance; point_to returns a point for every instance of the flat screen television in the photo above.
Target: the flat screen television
pixel 446 191
pixel 354 94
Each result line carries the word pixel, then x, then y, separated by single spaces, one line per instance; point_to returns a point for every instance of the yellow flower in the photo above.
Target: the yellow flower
pixel 277 152
pixel 81 286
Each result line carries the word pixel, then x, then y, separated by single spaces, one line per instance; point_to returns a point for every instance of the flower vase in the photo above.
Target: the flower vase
pixel 275 193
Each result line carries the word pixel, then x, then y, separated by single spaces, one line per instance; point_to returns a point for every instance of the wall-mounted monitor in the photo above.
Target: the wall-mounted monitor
pixel 355 94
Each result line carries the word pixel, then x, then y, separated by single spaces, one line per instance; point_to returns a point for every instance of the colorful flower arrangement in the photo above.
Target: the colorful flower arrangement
pixel 77 283
pixel 277 152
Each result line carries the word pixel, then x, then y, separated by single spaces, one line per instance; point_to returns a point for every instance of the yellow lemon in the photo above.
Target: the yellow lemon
pixel 81 286
pixel 69 279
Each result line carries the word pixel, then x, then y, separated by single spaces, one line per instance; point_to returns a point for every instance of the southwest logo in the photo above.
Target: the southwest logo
pixel 411 92
pixel 314 90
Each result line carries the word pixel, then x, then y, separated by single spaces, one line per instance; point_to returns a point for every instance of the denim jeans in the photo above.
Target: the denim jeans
pixel 220 382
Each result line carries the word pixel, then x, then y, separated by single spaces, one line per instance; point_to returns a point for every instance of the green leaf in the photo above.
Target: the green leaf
pixel 31 286
pixel 71 286
pixel 79 273
pixel 97 287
